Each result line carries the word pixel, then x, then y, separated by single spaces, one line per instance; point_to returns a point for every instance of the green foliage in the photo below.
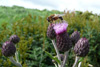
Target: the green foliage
pixel 31 26
pixel 53 58
pixel 12 14
pixel 36 57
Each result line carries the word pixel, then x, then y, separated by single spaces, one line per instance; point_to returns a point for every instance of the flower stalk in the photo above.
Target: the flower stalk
pixel 16 56
pixel 76 61
pixel 55 65
pixel 79 65
pixel 65 58
pixel 54 44
pixel 14 62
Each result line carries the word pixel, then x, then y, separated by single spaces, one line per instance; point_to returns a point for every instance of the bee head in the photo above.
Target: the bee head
pixel 48 19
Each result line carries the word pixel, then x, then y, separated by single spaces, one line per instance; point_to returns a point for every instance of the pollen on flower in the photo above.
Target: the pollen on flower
pixel 60 27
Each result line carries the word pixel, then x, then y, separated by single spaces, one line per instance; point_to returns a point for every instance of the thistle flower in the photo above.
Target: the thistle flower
pixel 50 32
pixel 75 36
pixel 62 38
pixel 8 49
pixel 14 38
pixel 82 47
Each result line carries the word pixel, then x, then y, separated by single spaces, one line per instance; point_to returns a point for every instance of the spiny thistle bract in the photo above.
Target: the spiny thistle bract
pixel 8 49
pixel 14 38
pixel 62 38
pixel 50 31
pixel 75 36
pixel 82 47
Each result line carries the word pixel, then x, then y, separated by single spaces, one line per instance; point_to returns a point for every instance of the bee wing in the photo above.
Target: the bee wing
pixel 59 15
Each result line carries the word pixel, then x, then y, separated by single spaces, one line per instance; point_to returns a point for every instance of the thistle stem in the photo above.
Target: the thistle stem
pixel 16 56
pixel 79 65
pixel 65 58
pixel 55 65
pixel 54 44
pixel 14 62
pixel 76 61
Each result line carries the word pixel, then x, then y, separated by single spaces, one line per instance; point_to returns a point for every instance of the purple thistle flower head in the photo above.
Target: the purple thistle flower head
pixel 75 37
pixel 8 49
pixel 50 31
pixel 60 27
pixel 14 38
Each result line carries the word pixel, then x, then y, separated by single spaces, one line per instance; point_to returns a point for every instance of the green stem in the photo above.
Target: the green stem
pixel 14 62
pixel 65 59
pixel 79 65
pixel 16 56
pixel 55 65
pixel 76 61
pixel 54 44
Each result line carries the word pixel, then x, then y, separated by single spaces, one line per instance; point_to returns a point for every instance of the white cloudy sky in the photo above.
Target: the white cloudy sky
pixel 82 5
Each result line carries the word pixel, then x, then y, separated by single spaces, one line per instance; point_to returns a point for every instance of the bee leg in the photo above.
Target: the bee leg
pixel 60 18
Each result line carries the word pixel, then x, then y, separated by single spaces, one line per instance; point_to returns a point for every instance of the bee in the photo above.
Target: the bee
pixel 54 17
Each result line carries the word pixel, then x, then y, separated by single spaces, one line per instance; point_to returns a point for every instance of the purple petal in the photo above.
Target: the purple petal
pixel 60 27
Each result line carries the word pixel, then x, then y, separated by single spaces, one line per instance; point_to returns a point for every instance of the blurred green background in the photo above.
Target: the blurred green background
pixel 31 26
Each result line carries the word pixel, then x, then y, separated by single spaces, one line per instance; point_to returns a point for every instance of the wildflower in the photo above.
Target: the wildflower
pixel 62 38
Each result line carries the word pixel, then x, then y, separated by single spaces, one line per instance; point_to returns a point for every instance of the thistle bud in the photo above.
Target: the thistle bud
pixel 14 38
pixel 75 36
pixel 62 38
pixel 8 49
pixel 82 47
pixel 50 32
